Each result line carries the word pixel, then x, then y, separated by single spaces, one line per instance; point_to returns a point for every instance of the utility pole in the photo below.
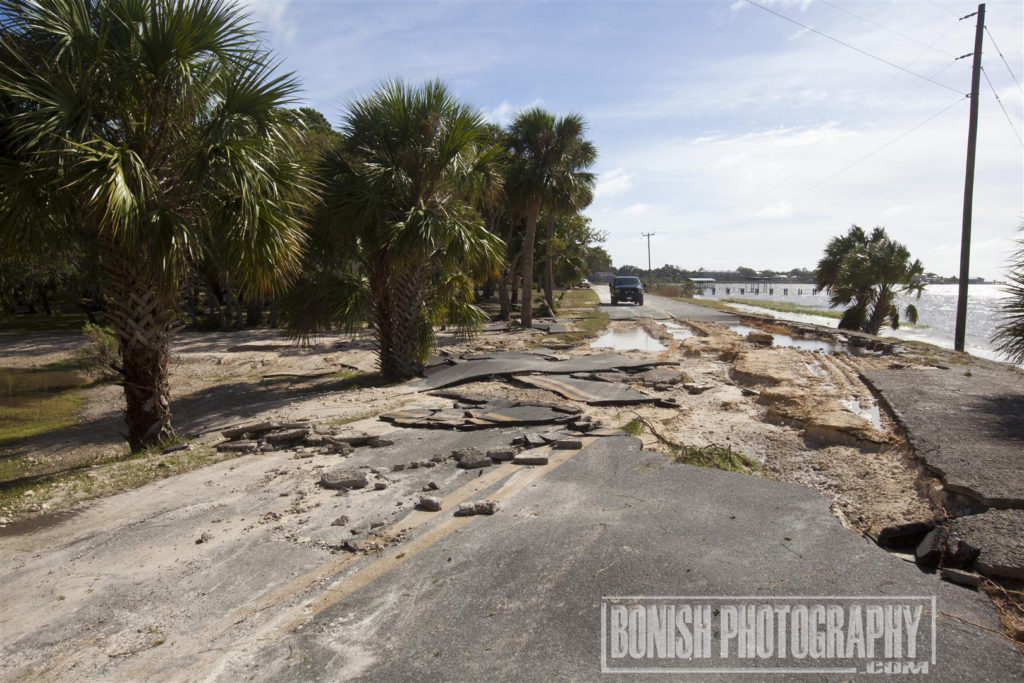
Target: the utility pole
pixel 649 235
pixel 972 143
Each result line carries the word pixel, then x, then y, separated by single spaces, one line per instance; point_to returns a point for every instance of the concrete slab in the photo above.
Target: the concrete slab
pixel 589 391
pixel 967 426
pixel 518 595
pixel 500 364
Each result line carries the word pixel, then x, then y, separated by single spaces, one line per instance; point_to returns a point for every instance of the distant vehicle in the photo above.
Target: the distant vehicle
pixel 585 283
pixel 627 288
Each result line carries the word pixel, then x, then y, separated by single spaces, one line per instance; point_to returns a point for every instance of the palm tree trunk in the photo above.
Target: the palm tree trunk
pixel 143 316
pixel 880 311
pixel 526 300
pixel 503 295
pixel 549 265
pixel 398 321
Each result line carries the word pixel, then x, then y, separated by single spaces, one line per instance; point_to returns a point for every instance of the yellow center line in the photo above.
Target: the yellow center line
pixel 395 557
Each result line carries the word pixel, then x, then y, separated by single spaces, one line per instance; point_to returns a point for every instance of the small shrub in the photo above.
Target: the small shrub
pixel 99 356
pixel 634 428
pixel 715 456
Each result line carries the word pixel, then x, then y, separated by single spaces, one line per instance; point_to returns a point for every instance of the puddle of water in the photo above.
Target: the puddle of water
pixel 676 330
pixel 627 340
pixel 21 381
pixel 868 412
pixel 790 341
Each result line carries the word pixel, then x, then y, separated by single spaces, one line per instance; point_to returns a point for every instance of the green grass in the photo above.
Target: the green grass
pixel 633 428
pixel 32 415
pixel 107 476
pixel 715 456
pixel 38 322
pixel 787 307
pixel 587 307
pixel 707 303
pixel 37 401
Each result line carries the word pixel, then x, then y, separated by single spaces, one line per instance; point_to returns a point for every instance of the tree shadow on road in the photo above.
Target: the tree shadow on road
pixel 1003 415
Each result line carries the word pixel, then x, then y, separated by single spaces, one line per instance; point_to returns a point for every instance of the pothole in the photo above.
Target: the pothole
pixel 676 330
pixel 868 410
pixel 633 339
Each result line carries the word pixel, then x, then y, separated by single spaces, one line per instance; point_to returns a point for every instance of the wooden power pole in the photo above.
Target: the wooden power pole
pixel 649 235
pixel 972 143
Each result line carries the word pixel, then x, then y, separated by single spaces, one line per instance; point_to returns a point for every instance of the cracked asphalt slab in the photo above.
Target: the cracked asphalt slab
pixel 517 595
pixel 500 364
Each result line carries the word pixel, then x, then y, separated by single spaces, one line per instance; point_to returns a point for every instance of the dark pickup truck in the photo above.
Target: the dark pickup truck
pixel 627 288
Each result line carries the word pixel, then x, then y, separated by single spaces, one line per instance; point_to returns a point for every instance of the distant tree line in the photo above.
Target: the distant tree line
pixel 669 274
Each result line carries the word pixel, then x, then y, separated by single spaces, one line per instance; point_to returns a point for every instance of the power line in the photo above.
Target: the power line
pixel 1012 75
pixel 1007 115
pixel 875 151
pixel 935 4
pixel 886 28
pixel 852 47
pixel 858 161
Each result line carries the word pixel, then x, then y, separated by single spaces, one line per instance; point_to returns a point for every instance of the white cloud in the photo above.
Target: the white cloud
pixel 503 114
pixel 274 17
pixel 802 5
pixel 637 209
pixel 613 182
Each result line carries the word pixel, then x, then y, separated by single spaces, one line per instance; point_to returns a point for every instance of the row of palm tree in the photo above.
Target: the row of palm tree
pixel 158 135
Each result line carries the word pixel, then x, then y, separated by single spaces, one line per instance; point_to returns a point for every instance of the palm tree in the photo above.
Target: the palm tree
pixel 1009 337
pixel 547 170
pixel 398 237
pixel 153 131
pixel 866 273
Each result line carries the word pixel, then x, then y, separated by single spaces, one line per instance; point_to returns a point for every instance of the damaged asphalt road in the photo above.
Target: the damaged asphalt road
pixel 463 537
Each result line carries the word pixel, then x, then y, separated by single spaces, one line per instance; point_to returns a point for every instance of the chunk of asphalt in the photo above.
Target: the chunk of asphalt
pixel 929 550
pixel 533 440
pixel 995 538
pixel 471 458
pixel 429 503
pixel 260 428
pixel 343 479
pixel 529 458
pixel 502 454
pixel 568 444
pixel 287 436
pixel 479 507
pixel 238 447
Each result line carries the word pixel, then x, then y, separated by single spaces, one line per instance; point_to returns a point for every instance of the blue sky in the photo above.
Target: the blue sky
pixel 716 121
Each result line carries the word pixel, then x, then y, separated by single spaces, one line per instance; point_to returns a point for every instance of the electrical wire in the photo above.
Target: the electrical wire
pixel 852 47
pixel 886 28
pixel 935 4
pixel 875 151
pixel 996 46
pixel 1005 113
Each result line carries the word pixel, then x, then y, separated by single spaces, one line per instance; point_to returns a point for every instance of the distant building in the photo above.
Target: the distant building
pixel 702 284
